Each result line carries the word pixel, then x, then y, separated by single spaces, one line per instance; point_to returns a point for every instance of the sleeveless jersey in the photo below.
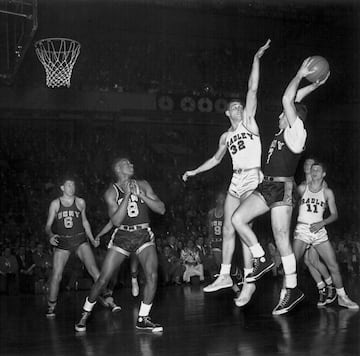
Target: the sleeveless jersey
pixel 281 161
pixel 137 210
pixel 312 206
pixel 244 148
pixel 216 225
pixel 68 220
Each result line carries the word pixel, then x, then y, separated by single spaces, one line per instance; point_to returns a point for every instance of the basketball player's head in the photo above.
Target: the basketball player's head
pixel 235 110
pixel 67 185
pixel 318 170
pixel 308 163
pixel 122 167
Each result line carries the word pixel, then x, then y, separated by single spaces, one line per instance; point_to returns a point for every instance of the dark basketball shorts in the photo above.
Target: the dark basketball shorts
pixel 277 193
pixel 127 242
pixel 71 243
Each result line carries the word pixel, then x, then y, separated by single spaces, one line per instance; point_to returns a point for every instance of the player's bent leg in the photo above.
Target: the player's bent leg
pixel 251 208
pixel 319 273
pixel 59 261
pixel 291 295
pixel 248 289
pixel 112 261
pixel 149 262
pixel 86 256
pixel 327 253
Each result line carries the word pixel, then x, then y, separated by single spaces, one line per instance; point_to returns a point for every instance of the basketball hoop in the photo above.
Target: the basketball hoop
pixel 58 56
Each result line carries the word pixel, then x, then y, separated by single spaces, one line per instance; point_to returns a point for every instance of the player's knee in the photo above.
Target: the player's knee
pixel 237 220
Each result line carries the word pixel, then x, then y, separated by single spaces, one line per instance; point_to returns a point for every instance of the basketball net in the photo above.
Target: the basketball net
pixel 58 56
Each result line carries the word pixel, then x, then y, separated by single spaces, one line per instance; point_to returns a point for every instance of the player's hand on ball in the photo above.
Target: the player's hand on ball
pixel 305 68
pixel 54 240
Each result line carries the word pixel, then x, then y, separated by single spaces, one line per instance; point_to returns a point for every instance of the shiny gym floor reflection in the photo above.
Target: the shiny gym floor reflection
pixel 194 324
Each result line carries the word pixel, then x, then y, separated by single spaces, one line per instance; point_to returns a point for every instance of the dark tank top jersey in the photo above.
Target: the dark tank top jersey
pixel 68 221
pixel 281 161
pixel 137 210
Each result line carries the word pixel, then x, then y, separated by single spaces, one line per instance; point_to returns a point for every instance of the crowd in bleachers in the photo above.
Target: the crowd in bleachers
pixel 33 156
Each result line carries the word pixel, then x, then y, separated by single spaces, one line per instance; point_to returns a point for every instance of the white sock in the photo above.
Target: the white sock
pixel 340 292
pixel 88 306
pixel 144 309
pixel 257 251
pixel 289 265
pixel 320 285
pixel 225 269
pixel 328 281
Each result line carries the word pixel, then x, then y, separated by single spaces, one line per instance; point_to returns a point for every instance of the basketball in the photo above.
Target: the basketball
pixel 321 67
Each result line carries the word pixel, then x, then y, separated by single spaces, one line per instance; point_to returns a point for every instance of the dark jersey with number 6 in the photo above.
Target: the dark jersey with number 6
pixel 68 221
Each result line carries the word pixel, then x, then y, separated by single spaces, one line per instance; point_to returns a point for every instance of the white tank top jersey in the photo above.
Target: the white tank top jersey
pixel 244 148
pixel 312 206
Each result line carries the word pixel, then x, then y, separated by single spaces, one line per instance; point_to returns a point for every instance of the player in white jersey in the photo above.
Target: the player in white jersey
pixel 310 228
pixel 317 269
pixel 242 140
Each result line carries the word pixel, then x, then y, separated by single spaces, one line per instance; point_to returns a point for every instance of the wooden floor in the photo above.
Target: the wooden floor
pixel 194 324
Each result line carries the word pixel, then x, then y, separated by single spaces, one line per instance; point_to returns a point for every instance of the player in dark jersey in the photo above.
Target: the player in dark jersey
pixel 128 202
pixel 215 226
pixel 275 193
pixel 69 230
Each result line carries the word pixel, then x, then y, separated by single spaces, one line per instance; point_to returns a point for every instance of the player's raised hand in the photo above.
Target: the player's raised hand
pixel 262 49
pixel 134 187
pixel 305 70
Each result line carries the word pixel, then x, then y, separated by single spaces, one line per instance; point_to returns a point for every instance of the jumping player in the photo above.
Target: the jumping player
pixel 275 193
pixel 310 228
pixel 71 233
pixel 128 204
pixel 242 140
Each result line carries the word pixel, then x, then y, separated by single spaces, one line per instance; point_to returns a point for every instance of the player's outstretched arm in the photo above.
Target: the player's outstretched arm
pixel 253 84
pixel 288 99
pixel 210 163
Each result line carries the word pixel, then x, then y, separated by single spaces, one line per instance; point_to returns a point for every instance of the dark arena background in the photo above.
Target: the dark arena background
pixel 152 81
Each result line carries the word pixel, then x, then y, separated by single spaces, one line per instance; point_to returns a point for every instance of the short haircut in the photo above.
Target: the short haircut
pixel 65 178
pixel 234 100
pixel 321 164
pixel 301 111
